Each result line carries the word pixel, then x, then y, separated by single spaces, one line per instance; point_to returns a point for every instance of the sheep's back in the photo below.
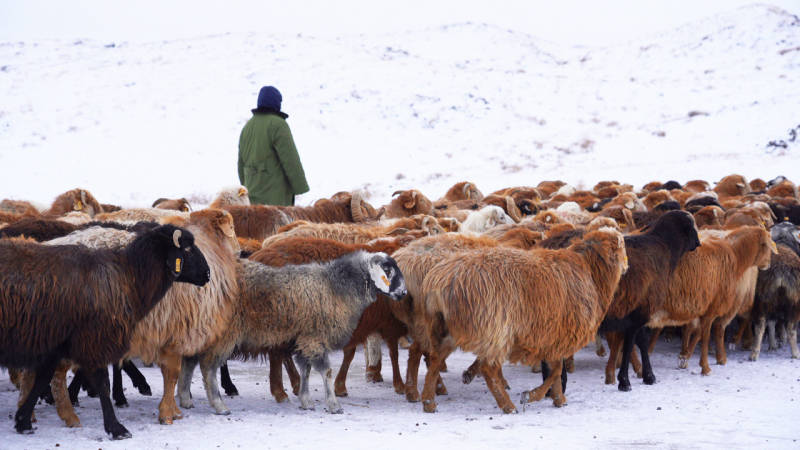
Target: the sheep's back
pixel 494 301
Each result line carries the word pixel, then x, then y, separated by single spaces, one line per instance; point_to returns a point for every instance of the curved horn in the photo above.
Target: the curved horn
pixel 176 236
pixel 380 212
pixel 83 196
pixel 411 203
pixel 512 209
pixel 465 190
pixel 355 207
pixel 629 219
pixel 396 192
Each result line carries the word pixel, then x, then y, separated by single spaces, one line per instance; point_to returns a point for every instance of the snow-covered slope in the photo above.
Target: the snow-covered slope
pixel 425 108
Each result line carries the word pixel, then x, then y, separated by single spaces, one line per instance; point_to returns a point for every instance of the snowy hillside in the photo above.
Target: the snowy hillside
pixel 425 108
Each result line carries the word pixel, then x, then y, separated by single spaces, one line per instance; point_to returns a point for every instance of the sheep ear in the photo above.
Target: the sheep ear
pixel 242 192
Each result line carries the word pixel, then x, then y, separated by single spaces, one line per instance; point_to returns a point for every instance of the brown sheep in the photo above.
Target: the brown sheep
pixel 350 233
pixel 179 204
pixel 709 217
pixel 74 200
pixel 407 203
pixel 230 196
pixel 651 186
pixel 696 186
pixel 705 282
pixel 548 188
pixel 509 287
pixel 463 190
pixel 758 185
pixel 732 186
pixel 655 198
pixel 783 189
pixel 260 221
pixel 20 207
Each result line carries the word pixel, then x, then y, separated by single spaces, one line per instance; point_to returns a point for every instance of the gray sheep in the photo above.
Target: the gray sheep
pixel 314 308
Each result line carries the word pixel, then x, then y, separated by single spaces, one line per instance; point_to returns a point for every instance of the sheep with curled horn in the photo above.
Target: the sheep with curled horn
pixel 313 308
pixel 463 190
pixel 83 304
pixel 407 203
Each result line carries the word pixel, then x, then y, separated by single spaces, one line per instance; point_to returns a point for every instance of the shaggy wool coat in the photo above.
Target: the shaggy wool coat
pixel 269 165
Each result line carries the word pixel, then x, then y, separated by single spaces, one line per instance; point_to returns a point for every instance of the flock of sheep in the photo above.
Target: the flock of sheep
pixel 523 275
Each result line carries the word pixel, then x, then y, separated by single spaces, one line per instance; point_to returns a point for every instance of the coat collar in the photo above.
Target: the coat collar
pixel 280 114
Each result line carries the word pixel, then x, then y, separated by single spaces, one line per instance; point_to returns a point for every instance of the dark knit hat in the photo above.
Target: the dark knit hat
pixel 269 98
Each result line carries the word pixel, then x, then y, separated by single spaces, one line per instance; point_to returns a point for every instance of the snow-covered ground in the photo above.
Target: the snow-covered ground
pixel 460 94
pixel 741 405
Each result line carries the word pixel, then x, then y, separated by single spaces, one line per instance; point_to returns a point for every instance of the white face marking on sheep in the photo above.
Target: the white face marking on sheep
pixel 379 278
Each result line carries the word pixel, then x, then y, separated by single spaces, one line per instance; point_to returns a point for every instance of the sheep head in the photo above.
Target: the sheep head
pixel 386 275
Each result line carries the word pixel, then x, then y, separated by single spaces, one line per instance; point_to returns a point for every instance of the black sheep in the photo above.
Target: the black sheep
pixel 72 302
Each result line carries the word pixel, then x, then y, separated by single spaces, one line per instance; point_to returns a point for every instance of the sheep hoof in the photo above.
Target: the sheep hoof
pixel 441 389
pixel 23 427
pixel 624 386
pixel 412 396
pixel 400 389
pixel 121 404
pixel 509 409
pixel 341 393
pixel 281 396
pixel 754 356
pixel 187 404
pixel 795 356
pixel 165 420
pixel 524 398
pixel 220 412
pixel 649 379
pixel 706 371
pixel 601 351
pixel 683 363
pixel 337 410
pixel 119 432
pixel 72 422
pixel 145 390
pixel 429 406
pixel 467 377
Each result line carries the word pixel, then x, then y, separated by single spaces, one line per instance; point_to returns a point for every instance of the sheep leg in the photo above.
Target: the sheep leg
pixel 536 367
pixel 98 380
pixel 614 346
pixel 705 327
pixel 792 333
pixel 598 346
pixel 397 377
pixel 441 389
pixel 59 387
pixel 44 373
pixel 291 370
pixel 539 393
pixel 757 338
pixel 653 339
pixel 412 372
pixel 340 387
pixel 25 382
pixel 569 364
pixel 276 359
pixel 432 378
pixel 185 382
pixel 137 378
pixel 170 370
pixel 718 330
pixel 209 366
pixel 227 383
pixel 491 374
pixel 773 343
pixel 744 325
pixel 116 387
pixel 15 376
pixel 627 347
pixel 647 369
pixel 690 340
pixel 323 366
pixel 546 373
pixel 372 354
pixel 472 371
pixel 305 371
pixel 75 387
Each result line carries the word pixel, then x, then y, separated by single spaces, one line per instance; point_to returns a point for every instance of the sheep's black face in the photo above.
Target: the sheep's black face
pixel 185 260
pixel 678 227
pixel 387 276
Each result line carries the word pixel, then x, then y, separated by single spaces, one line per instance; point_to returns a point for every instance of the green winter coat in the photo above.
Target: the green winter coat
pixel 269 165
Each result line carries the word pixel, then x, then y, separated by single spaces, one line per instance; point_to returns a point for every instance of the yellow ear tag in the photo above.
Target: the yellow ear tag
pixel 177 265
pixel 786 219
pixel 185 209
pixel 78 205
pixel 385 280
pixel 242 192
pixel 774 246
